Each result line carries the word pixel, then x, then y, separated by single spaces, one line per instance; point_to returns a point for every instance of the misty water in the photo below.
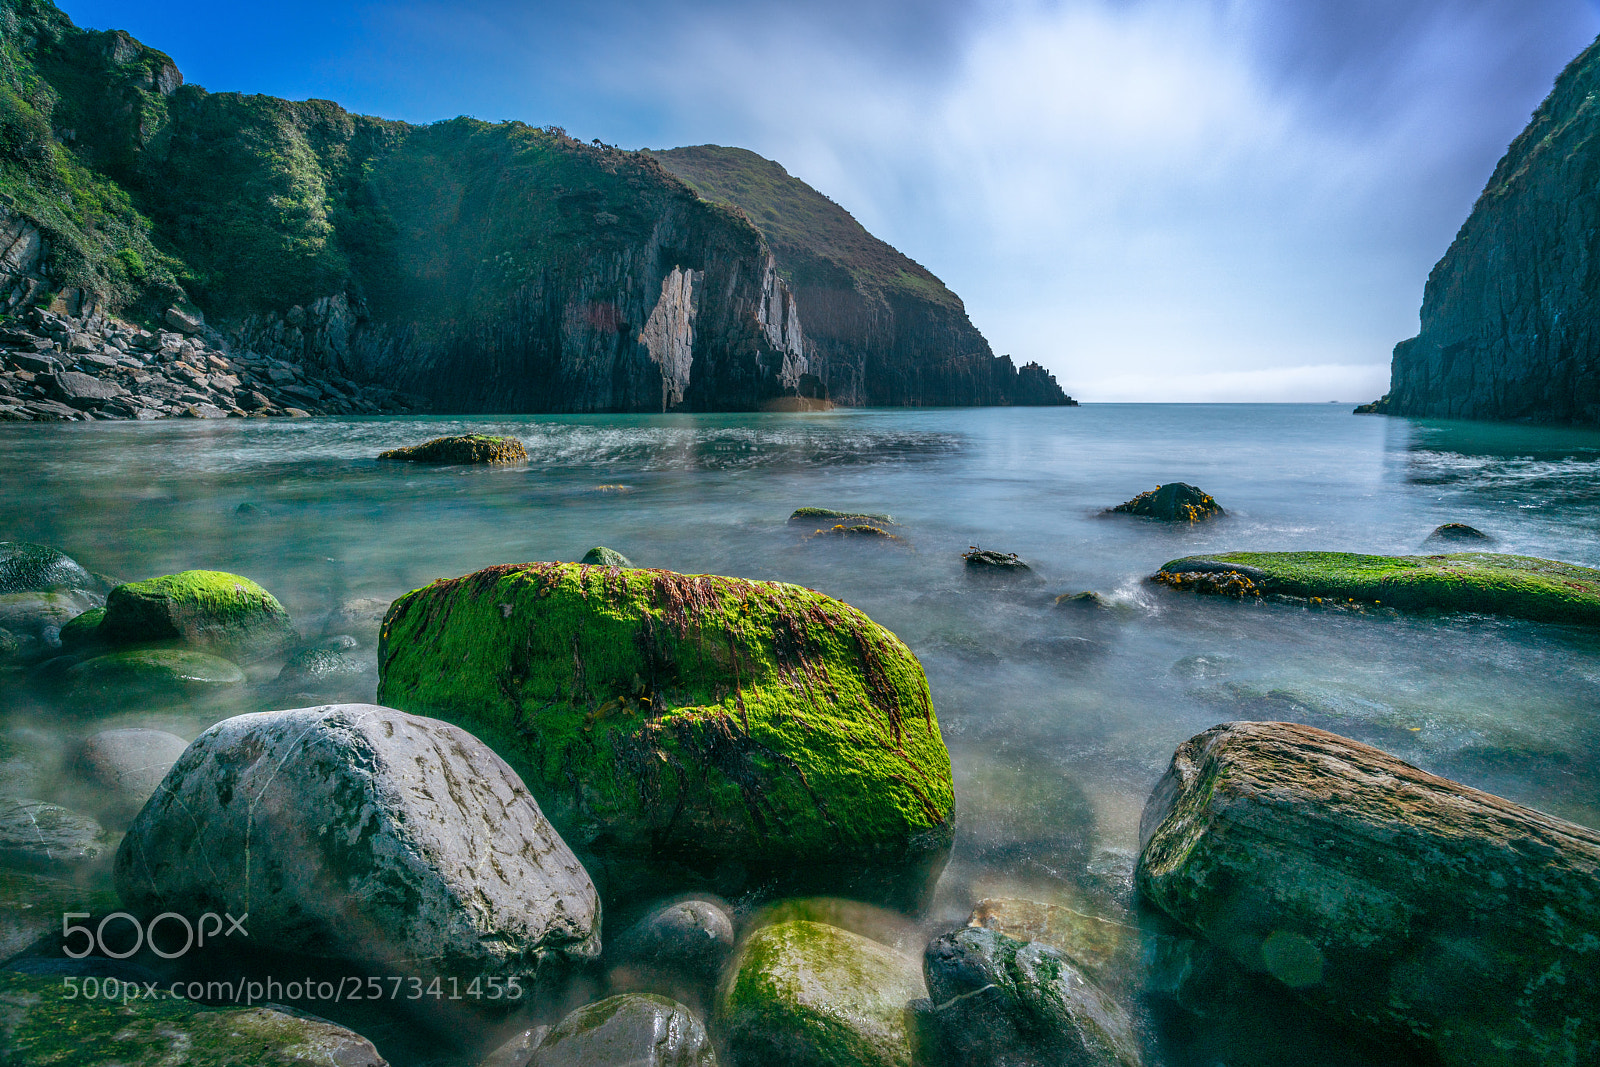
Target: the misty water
pixel 1058 720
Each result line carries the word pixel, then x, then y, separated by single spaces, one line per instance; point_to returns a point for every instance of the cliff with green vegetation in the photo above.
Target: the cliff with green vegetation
pixel 486 267
pixel 1511 314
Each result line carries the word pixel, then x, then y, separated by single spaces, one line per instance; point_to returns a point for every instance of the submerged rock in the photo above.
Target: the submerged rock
pixel 1455 533
pixel 1520 586
pixel 995 1001
pixel 42 616
pixel 361 617
pixel 31 568
pixel 801 994
pixel 82 631
pixel 830 517
pixel 1397 901
pixel 464 448
pixel 323 665
pixel 981 560
pixel 855 530
pixel 43 1023
pixel 1092 943
pixel 601 556
pixel 209 610
pixel 152 673
pixel 37 835
pixel 689 729
pixel 127 766
pixel 1173 502
pixel 631 1030
pixel 1085 601
pixel 374 836
pixel 31 906
pixel 692 937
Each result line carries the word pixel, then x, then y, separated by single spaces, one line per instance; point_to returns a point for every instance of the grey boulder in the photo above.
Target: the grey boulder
pixel 693 937
pixel 126 766
pixel 44 836
pixel 366 834
pixel 631 1030
pixel 29 568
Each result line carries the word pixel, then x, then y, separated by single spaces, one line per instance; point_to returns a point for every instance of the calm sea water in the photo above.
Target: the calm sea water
pixel 1059 721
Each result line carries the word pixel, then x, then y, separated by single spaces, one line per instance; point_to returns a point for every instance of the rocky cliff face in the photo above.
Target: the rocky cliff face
pixel 484 267
pixel 1511 314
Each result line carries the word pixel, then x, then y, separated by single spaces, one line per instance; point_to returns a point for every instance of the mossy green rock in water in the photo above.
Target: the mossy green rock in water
pixel 152 672
pixel 465 448
pixel 83 630
pixel 41 1025
pixel 30 568
pixel 1173 502
pixel 1400 902
pixel 210 610
pixel 689 729
pixel 1520 586
pixel 601 556
pixel 802 994
pixel 830 517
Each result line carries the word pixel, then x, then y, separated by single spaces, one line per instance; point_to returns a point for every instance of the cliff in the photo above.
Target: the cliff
pixel 1511 314
pixel 483 267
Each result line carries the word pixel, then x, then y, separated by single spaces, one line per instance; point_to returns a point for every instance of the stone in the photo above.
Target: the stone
pixel 37 835
pixel 185 321
pixel 801 994
pixel 1095 945
pixel 631 1030
pixel 1404 904
pixel 1085 601
pixel 43 615
pixel 466 448
pixel 996 1001
pixel 601 556
pixel 80 390
pixel 152 673
pixel 361 617
pixel 38 364
pixel 859 530
pixel 323 666
pixel 209 610
pixel 30 568
pixel 1455 533
pixel 43 1025
pixel 388 840
pixel 1173 502
pixel 689 730
pixel 831 517
pixel 126 766
pixel 693 937
pixel 82 631
pixel 31 906
pixel 982 560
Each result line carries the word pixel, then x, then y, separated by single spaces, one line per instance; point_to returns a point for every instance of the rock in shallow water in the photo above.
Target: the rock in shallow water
pixel 373 836
pixel 150 674
pixel 29 568
pixel 1173 502
pixel 691 936
pixel 44 836
pixel 1390 898
pixel 601 556
pixel 631 1030
pixel 465 448
pixel 1457 533
pixel 127 766
pixel 208 610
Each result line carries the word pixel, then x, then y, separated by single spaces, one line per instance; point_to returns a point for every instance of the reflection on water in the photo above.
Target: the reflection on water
pixel 1059 721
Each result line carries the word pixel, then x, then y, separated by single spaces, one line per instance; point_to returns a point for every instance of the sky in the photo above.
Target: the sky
pixel 1159 200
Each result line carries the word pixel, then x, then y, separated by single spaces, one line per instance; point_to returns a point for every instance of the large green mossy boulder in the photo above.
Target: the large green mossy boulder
pixel 43 1024
pixel 1520 586
pixel 147 673
pixel 209 610
pixel 689 729
pixel 804 994
pixel 29 568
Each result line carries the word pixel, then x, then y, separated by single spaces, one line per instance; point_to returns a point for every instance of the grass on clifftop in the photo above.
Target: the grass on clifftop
pixel 1520 586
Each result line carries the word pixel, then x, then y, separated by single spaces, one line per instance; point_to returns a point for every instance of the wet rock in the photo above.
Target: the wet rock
pixel 830 517
pixel 151 673
pixel 886 926
pixel 209 610
pixel 42 1023
pixel 42 616
pixel 1085 601
pixel 466 448
pixel 692 937
pixel 361 617
pixel 855 530
pixel 801 994
pixel 1402 903
pixel 517 1051
pixel 82 631
pixel 374 836
pixel 31 906
pixel 1093 944
pixel 1457 533
pixel 126 766
pixel 321 665
pixel 995 1000
pixel 600 556
pixel 631 1030
pixel 983 561
pixel 677 704
pixel 39 836
pixel 1173 502
pixel 31 568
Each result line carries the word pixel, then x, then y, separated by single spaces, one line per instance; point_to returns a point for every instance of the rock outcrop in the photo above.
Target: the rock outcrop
pixel 1173 502
pixel 463 448
pixel 1401 902
pixel 1511 314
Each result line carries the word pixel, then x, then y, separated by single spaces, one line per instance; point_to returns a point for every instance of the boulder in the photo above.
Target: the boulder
pixel 43 1024
pixel 802 994
pixel 41 836
pixel 1520 586
pixel 386 839
pixel 601 556
pixel 1173 502
pixel 79 390
pixel 995 1001
pixel 1085 601
pixel 126 766
pixel 984 561
pixel 82 631
pixel 152 674
pixel 631 1030
pixel 1094 944
pixel 188 321
pixel 1403 903
pixel 44 615
pixel 1457 533
pixel 465 448
pixel 831 517
pixel 692 937
pixel 320 666
pixel 856 530
pixel 209 610
pixel 689 729
pixel 31 568
pixel 31 906
pixel 361 617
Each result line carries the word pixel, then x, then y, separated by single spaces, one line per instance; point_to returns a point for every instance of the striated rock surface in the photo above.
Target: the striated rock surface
pixel 1511 314
pixel 1398 901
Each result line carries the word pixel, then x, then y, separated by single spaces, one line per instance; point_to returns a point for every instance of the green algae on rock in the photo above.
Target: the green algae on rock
pixel 462 448
pixel 832 517
pixel 601 556
pixel 1173 502
pixel 1520 586
pixel 152 673
pixel 689 729
pixel 43 1024
pixel 83 630
pixel 210 610
pixel 803 994
pixel 1390 898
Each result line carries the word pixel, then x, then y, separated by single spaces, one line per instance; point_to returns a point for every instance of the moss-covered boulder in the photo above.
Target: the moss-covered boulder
pixel 152 673
pixel 82 631
pixel 834 517
pixel 803 994
pixel 1402 903
pixel 601 556
pixel 42 1024
pixel 689 729
pixel 1519 586
pixel 630 1030
pixel 463 448
pixel 29 568
pixel 208 610
pixel 1173 502
pixel 1458 533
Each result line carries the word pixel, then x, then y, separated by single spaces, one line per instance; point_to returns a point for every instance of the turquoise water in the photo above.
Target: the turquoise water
pixel 1058 721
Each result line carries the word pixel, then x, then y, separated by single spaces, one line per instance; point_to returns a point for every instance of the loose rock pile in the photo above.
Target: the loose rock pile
pixel 57 368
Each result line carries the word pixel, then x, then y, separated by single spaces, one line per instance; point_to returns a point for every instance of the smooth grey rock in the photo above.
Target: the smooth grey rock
pixel 37 835
pixel 34 614
pixel 322 665
pixel 362 833
pixel 29 568
pixel 80 390
pixel 691 936
pixel 127 765
pixel 631 1030
pixel 517 1051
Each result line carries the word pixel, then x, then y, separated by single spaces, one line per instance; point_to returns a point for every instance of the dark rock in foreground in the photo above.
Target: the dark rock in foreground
pixel 601 556
pixel 1173 502
pixel 1400 902
pixel 386 839
pixel 464 448
pixel 30 568
pixel 631 1030
pixel 983 561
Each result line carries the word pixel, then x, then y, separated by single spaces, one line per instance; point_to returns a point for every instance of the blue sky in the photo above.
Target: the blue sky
pixel 1157 199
